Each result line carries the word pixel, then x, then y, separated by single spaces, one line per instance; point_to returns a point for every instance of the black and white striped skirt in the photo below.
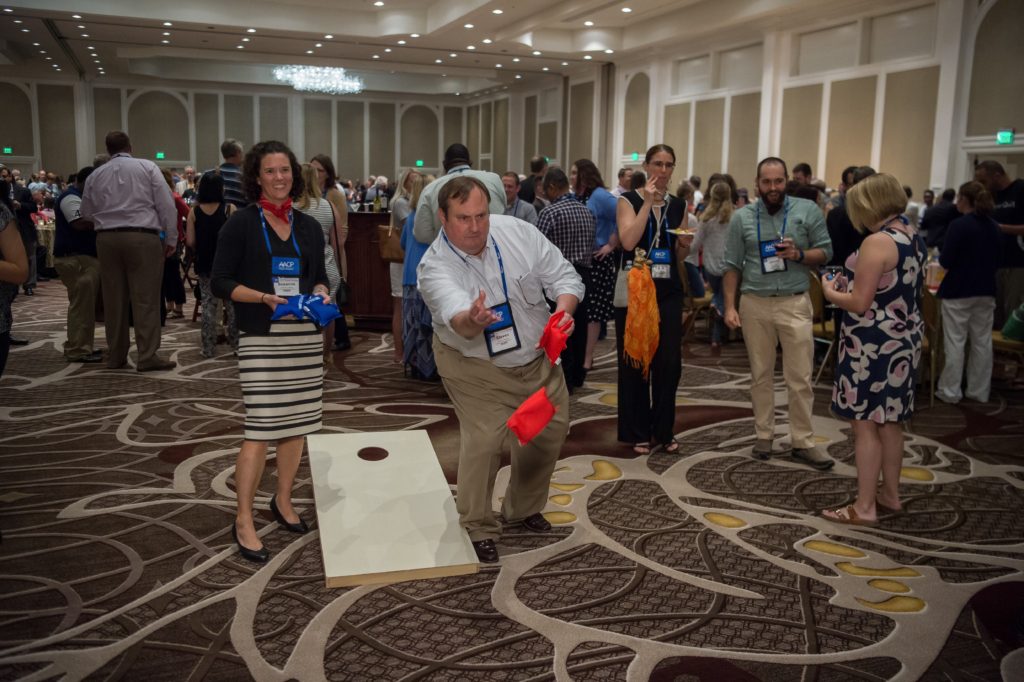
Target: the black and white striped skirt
pixel 282 375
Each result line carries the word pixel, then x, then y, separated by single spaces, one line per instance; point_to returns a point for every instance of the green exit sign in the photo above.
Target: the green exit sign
pixel 1005 136
pixel 636 156
pixel 8 150
pixel 419 163
pixel 160 155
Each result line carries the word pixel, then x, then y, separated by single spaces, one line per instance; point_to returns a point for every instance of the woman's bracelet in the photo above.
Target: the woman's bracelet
pixel 263 298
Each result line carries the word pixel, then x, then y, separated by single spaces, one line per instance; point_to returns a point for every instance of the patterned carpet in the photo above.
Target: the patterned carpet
pixel 116 500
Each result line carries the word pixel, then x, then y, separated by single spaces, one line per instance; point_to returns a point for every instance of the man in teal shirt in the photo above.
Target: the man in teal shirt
pixel 771 246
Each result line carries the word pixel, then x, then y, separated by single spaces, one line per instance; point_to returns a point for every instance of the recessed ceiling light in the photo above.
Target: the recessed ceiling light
pixel 467 26
pixel 245 40
pixel 497 66
pixel 437 61
pixel 37 45
pixel 18 21
pixel 609 51
pixel 536 53
pixel 49 59
pixel 250 30
pixel 487 41
pixel 519 76
pixel 80 26
pixel 565 63
pixel 414 35
pixel 309 51
pixel 588 23
pixel 496 11
pixel 376 56
pixel 167 23
pixel 88 48
pixel 44 52
pixel 166 42
pixel 457 94
pixel 545 69
pixel 379 3
pixel 587 57
pixel 96 61
pixel 319 45
pixel 328 37
pixel 626 10
pixel 73 16
pixel 25 30
pixel 239 47
pixel 470 47
pixel 515 59
pixel 84 35
pixel 452 54
pixel 167 33
pixel 401 42
pixel 387 49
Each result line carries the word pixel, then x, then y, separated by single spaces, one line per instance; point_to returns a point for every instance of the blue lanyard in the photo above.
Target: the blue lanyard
pixel 497 252
pixel 654 230
pixel 266 234
pixel 785 218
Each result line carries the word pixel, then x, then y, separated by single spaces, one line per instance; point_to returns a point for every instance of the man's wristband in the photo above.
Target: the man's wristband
pixel 801 258
pixel 263 298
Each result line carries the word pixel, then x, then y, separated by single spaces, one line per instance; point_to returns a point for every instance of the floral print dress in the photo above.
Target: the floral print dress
pixel 880 351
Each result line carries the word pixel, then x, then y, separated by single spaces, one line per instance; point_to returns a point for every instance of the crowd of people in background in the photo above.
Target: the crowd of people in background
pixel 634 254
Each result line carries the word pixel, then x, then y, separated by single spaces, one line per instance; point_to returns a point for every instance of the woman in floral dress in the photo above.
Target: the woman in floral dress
pixel 880 342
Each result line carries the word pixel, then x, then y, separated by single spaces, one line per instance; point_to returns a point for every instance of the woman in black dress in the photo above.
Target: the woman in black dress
pixel 647 405
pixel 267 252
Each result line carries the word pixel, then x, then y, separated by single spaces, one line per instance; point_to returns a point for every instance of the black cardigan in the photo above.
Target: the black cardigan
pixel 242 259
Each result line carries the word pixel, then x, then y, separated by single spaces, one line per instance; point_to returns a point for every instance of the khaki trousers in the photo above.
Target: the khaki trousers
pixel 81 277
pixel 786 320
pixel 484 397
pixel 131 270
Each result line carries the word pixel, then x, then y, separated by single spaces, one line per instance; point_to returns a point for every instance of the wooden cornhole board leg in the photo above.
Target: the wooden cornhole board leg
pixel 385 520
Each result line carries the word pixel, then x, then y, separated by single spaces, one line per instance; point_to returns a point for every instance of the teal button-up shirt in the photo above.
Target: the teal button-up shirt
pixel 804 223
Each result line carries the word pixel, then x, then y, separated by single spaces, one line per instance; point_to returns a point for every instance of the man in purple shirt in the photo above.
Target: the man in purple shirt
pixel 135 220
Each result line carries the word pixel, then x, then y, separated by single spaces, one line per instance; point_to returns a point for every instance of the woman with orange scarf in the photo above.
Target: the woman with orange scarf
pixel 649 331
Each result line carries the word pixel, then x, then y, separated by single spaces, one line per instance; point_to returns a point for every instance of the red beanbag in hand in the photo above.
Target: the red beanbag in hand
pixel 553 339
pixel 532 416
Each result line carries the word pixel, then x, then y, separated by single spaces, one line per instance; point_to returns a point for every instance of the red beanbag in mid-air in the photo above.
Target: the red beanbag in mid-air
pixel 553 339
pixel 532 416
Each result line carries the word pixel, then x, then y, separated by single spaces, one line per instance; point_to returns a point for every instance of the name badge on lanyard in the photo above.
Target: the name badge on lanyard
pixel 501 335
pixel 661 259
pixel 768 248
pixel 284 270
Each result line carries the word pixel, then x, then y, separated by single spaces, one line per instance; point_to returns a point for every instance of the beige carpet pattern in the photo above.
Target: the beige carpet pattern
pixel 116 499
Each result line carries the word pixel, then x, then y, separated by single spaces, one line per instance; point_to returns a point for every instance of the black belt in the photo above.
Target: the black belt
pixel 780 295
pixel 130 229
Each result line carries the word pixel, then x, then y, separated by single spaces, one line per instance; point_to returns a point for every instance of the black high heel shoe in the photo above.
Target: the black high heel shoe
pixel 299 527
pixel 259 556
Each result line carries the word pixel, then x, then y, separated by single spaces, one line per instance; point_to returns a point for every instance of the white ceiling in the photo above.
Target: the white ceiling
pixel 239 41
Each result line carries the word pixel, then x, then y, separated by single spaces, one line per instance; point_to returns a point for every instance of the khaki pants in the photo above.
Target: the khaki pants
pixel 767 321
pixel 81 277
pixel 484 396
pixel 131 270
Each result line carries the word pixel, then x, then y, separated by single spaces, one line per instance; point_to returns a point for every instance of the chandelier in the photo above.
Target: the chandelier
pixel 329 79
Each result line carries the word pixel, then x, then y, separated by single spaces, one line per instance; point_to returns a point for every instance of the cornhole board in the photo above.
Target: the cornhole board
pixel 385 519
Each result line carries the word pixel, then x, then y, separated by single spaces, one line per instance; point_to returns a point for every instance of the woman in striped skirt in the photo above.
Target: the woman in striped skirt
pixel 265 253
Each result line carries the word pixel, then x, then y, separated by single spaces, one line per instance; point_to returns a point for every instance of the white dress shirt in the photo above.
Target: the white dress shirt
pixel 450 280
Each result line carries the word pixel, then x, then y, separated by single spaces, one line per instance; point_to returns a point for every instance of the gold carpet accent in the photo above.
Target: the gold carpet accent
pixel 561 499
pixel 888 585
pixel 558 518
pixel 604 471
pixel 834 548
pixel 916 474
pixel 567 487
pixel 725 520
pixel 901 572
pixel 895 604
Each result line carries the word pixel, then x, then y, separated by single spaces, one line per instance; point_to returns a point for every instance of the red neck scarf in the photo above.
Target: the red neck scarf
pixel 280 211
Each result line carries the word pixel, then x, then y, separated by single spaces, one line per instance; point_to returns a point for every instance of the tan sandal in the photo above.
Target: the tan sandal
pixel 848 516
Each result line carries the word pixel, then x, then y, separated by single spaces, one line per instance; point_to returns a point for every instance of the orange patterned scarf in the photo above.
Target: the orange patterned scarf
pixel 642 318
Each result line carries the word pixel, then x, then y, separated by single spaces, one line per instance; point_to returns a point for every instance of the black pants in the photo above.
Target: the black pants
pixel 5 348
pixel 576 348
pixel 647 407
pixel 173 289
pixel 341 330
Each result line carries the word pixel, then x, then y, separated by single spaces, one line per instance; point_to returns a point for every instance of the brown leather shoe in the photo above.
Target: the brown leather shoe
pixel 158 366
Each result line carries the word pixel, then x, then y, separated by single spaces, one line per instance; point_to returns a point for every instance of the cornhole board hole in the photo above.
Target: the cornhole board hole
pixel 384 510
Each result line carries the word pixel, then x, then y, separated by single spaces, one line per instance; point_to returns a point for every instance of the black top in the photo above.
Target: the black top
pixel 207 229
pixel 68 241
pixel 936 223
pixel 676 212
pixel 242 259
pixel 1010 211
pixel 527 191
pixel 26 226
pixel 846 240
pixel 971 255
